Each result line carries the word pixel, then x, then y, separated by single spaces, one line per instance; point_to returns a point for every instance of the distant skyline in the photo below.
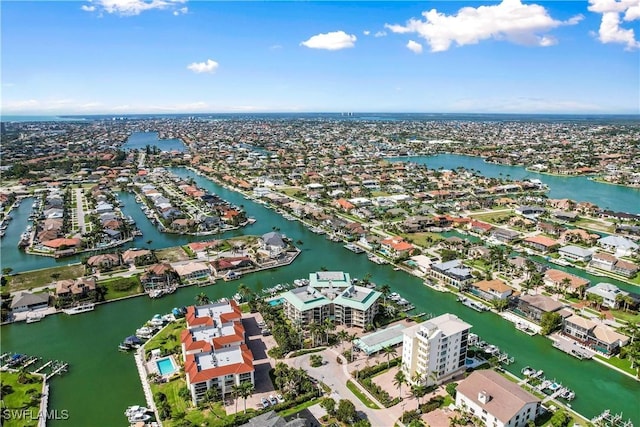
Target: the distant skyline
pixel 179 56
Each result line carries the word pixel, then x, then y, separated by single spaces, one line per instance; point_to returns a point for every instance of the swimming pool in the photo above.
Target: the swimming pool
pixel 166 366
pixel 275 302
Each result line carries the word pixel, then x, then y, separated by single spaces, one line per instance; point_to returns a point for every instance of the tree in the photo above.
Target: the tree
pixel 202 299
pixel 418 391
pixel 451 389
pixel 500 304
pixel 235 392
pixel 246 390
pixel 244 291
pixel 398 380
pixel 342 336
pixel 560 419
pixel 595 300
pixel 386 290
pixel 549 322
pixel 7 271
pixel 346 411
pixel 389 351
pixel 329 405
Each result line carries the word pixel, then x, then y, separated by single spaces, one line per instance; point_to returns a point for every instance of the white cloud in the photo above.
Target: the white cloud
pixel 414 47
pixel 610 30
pixel 335 40
pixel 366 32
pixel 209 66
pixel 510 20
pixel 181 11
pixel 380 34
pixel 133 7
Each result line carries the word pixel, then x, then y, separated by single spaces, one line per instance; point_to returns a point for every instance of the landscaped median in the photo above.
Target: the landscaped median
pixel 365 379
pixel 360 395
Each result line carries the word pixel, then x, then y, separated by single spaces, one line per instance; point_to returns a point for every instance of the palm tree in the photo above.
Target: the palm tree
pixel 211 395
pixel 202 299
pixel 343 335
pixel 328 325
pixel 389 351
pixel 386 290
pixel 417 378
pixel 353 339
pixel 246 390
pixel 398 380
pixel 244 291
pixel 235 392
pixel 417 391
pixel 632 330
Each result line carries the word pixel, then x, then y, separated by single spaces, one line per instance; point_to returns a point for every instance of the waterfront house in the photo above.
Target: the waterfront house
pixel 559 279
pixel 566 216
pixel 452 273
pixel 495 400
pixel 25 301
pixel 480 252
pixel 192 270
pixel 491 289
pixel 104 261
pixel 504 235
pixel 578 235
pixel 159 276
pixel 531 212
pixel 541 243
pixel 534 306
pixel 226 264
pixel 138 257
pixel 619 245
pixel 608 292
pixel 575 253
pixel 273 243
pixel 603 260
pixel 395 247
pixel 624 268
pixel 271 419
pixel 435 349
pixel 597 336
pixel 80 289
pixel 480 227
pixel 417 224
pixel 550 228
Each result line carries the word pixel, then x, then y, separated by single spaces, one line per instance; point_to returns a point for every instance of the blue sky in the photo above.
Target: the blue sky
pixel 163 56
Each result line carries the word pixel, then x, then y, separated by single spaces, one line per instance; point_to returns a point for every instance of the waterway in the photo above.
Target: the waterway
pixel 579 188
pixel 102 382
pixel 139 140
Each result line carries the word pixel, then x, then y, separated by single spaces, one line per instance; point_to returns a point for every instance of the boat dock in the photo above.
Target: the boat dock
pixel 611 420
pixel 571 347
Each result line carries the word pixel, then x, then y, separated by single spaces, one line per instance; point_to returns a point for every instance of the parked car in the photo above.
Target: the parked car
pixel 266 332
pixel 280 398
pixel 265 402
pixel 273 400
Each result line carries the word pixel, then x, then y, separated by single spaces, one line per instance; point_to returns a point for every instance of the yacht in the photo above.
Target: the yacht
pixel 34 317
pixel 82 308
pixel 238 298
pixel 354 248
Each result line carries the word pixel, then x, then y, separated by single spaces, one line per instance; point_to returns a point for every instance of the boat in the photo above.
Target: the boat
pixel 145 332
pixel 528 371
pixel 238 298
pixel 478 306
pixel 135 409
pixel 559 261
pixel 376 259
pixel 521 326
pixel 82 308
pixel 354 248
pixel 34 317
pixel 491 349
pixel 567 394
pixel 232 275
pixel 553 387
pixel 132 341
pixel 156 321
pixel 124 347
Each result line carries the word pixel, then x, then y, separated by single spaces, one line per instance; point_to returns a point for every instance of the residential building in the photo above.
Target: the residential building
pixel 608 292
pixel 534 306
pixel 330 294
pixel 453 273
pixel 541 243
pixel 158 276
pixel 504 235
pixel 491 289
pixel 609 262
pixel 68 291
pixel 104 261
pixel 495 400
pixel 26 301
pixel 621 246
pixel 597 336
pixel 271 419
pixel 435 350
pixel 563 280
pixel 192 270
pixel 575 253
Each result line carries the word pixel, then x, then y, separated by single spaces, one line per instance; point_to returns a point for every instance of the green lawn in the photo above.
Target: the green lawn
pixel 623 364
pixel 172 254
pixel 120 287
pixel 290 191
pixel 212 415
pixel 360 395
pixel 492 217
pixel 36 278
pixel 422 239
pixel 168 339
pixel 627 316
pixel 299 408
pixel 21 397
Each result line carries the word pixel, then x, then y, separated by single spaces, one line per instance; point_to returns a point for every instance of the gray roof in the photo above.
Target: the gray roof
pixel 27 299
pixel 273 238
pixel 618 242
pixel 271 419
pixel 576 250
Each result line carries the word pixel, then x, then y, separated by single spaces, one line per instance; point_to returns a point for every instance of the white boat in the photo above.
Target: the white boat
pixel 144 332
pixel 354 248
pixel 34 317
pixel 156 321
pixel 82 308
pixel 528 371
pixel 238 298
pixel 138 417
pixel 135 409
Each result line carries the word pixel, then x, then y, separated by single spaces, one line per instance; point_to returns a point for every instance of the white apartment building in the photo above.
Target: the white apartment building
pixel 435 350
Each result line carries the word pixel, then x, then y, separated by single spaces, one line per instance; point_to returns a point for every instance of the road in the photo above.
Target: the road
pixel 80 210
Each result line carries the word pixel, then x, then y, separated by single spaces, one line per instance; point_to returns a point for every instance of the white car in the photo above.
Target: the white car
pixel 280 398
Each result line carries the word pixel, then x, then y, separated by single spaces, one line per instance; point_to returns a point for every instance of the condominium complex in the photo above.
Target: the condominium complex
pixel 214 349
pixel 435 350
pixel 331 295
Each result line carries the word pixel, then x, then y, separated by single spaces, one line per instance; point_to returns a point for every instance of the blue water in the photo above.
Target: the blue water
pixel 166 366
pixel 578 188
pixel 276 302
pixel 139 140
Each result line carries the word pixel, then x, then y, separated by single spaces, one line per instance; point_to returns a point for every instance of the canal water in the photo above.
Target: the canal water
pixel 102 382
pixel 579 188
pixel 139 140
